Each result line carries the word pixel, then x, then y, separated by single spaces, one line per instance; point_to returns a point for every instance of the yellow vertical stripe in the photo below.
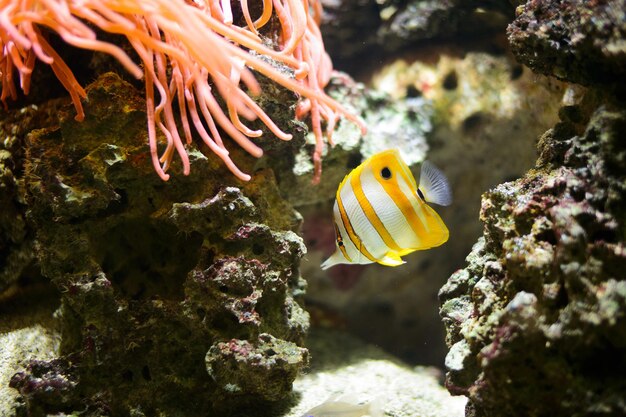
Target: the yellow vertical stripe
pixel 370 212
pixel 341 247
pixel 392 188
pixel 407 174
pixel 348 226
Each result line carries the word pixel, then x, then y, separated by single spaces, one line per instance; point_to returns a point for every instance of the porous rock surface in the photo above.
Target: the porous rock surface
pixel 536 322
pixel 167 289
pixel 358 33
pixel 575 40
pixel 16 238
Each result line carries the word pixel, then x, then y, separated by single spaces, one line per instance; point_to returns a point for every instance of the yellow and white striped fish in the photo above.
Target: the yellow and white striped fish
pixel 381 214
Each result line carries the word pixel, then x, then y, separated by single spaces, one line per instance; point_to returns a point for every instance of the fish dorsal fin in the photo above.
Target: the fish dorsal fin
pixel 391 259
pixel 434 185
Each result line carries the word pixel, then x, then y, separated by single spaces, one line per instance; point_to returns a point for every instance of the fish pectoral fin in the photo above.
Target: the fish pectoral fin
pixel 391 259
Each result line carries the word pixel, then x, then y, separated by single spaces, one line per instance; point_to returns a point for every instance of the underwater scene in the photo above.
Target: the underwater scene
pixel 313 208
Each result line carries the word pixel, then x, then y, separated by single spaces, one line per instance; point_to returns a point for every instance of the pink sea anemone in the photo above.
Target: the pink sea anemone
pixel 187 50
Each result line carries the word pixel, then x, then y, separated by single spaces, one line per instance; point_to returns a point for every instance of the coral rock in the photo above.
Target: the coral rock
pixel 266 368
pixel 153 274
pixel 536 323
pixel 574 40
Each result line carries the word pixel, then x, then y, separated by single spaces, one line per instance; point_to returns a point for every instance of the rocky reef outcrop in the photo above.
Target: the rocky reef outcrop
pixel 536 321
pixel 357 30
pixel 168 290
pixel 574 40
pixel 16 240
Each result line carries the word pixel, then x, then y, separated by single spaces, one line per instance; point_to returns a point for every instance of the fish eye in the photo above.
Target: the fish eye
pixel 385 173
pixel 340 242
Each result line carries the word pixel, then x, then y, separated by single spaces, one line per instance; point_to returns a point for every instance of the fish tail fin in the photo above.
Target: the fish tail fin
pixel 334 259
pixel 434 185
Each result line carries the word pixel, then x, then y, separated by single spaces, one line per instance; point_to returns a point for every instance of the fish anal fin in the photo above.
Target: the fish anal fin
pixel 391 259
pixel 406 251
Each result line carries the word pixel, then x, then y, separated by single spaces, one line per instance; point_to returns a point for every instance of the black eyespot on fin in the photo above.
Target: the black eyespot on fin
pixel 385 173
pixel 420 194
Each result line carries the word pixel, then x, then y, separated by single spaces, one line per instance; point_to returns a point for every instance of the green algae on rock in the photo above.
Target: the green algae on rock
pixel 153 274
pixel 16 240
pixel 536 323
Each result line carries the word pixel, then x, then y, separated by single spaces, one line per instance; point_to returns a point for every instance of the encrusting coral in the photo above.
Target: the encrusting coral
pixel 185 48
pixel 574 40
pixel 162 285
pixel 536 322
